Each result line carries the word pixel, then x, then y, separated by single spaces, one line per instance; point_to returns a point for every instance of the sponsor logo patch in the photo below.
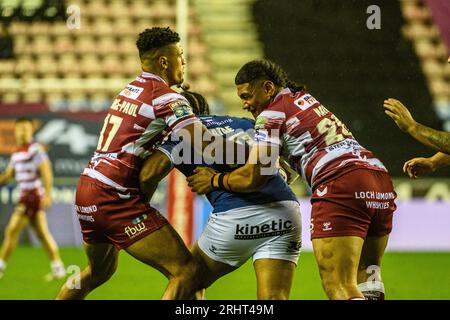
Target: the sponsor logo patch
pixel 294 246
pixel 327 226
pixel 306 101
pixel 135 230
pixel 140 219
pixel 274 228
pixel 131 92
pixel 180 109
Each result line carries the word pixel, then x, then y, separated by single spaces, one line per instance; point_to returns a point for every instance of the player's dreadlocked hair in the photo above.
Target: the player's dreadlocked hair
pixel 197 101
pixel 265 70
pixel 155 38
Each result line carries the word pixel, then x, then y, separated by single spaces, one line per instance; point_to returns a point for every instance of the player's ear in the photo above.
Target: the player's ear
pixel 269 87
pixel 163 62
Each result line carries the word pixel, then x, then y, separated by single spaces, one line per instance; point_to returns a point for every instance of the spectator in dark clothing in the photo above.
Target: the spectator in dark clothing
pixel 6 43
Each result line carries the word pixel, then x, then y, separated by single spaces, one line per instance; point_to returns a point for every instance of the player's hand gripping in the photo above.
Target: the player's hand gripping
pixel 418 167
pixel 400 114
pixel 200 181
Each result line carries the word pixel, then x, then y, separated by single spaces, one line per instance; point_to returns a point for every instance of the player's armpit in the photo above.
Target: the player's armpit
pixel 155 168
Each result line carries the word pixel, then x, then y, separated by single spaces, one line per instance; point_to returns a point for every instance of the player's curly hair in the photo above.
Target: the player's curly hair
pixel 197 101
pixel 265 70
pixel 155 38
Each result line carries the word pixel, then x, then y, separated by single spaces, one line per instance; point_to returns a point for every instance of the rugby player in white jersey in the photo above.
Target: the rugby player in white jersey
pixel 33 173
pixel 352 193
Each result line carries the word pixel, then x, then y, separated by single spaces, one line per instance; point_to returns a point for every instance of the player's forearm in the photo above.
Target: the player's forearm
pixel 3 178
pixel 47 181
pixel 156 168
pixel 435 139
pixel 246 179
pixel 440 160
pixel 6 176
pixel 46 173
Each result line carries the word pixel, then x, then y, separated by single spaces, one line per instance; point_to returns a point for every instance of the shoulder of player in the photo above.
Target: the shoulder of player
pixel 169 98
pixel 36 148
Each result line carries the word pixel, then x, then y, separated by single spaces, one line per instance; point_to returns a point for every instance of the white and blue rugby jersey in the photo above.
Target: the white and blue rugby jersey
pixel 240 130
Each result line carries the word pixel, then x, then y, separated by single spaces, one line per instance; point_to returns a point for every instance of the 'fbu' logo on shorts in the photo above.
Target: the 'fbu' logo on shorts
pixel 137 229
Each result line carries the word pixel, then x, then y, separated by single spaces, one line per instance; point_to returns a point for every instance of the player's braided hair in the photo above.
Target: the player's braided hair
pixel 197 101
pixel 265 70
pixel 155 38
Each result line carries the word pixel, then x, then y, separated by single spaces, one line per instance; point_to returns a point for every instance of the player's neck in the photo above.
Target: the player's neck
pixel 156 71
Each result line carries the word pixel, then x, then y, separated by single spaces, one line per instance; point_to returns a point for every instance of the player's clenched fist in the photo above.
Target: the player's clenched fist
pixel 418 167
pixel 399 113
pixel 200 181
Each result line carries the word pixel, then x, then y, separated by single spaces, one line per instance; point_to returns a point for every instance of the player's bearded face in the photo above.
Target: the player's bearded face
pixel 254 98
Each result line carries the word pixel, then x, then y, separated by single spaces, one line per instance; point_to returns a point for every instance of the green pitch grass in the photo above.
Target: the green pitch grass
pixel 406 276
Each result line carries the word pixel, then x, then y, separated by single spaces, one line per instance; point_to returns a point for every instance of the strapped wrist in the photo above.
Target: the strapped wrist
pixel 215 181
pixel 220 181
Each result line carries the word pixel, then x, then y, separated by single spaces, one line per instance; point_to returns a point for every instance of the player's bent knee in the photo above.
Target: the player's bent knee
pixel 190 275
pixel 12 231
pixel 98 277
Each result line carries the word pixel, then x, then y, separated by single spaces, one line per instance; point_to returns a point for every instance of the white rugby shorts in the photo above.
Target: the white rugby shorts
pixel 272 230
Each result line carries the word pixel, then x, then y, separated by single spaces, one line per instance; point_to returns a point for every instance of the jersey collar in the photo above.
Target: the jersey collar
pixel 281 93
pixel 149 75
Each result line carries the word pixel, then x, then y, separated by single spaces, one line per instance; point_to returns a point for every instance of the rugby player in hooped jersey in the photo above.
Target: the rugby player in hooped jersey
pixel 112 211
pixel 264 225
pixel 33 173
pixel 352 193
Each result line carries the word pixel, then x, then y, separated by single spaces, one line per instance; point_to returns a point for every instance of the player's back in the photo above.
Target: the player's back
pixel 143 113
pixel 240 130
pixel 316 143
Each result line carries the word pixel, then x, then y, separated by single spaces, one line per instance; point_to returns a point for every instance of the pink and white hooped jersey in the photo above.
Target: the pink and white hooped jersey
pixel 311 138
pixel 143 113
pixel 25 161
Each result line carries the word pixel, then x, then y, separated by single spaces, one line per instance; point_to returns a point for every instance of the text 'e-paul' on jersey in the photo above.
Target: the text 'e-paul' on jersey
pixel 142 114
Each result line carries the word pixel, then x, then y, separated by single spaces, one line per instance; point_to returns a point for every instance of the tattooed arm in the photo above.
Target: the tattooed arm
pixel 438 140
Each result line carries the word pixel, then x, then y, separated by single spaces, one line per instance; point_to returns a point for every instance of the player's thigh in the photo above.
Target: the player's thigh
pixel 18 220
pixel 164 250
pixel 103 259
pixel 274 277
pixel 211 269
pixel 338 257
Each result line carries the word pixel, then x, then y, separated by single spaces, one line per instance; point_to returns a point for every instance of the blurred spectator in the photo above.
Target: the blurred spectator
pixel 6 43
